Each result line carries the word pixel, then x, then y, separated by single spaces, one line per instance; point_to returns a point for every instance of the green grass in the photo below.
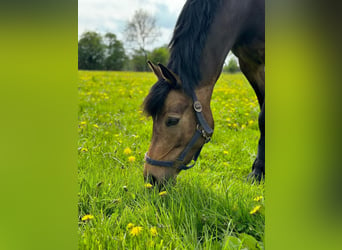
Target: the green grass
pixel 208 208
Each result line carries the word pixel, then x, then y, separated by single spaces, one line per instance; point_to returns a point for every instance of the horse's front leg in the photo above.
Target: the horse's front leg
pixel 258 169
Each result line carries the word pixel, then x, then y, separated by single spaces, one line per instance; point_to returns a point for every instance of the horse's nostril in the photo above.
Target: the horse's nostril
pixel 152 180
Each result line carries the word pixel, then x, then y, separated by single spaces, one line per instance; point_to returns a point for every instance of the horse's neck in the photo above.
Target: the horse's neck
pixel 213 57
pixel 220 39
pixel 210 67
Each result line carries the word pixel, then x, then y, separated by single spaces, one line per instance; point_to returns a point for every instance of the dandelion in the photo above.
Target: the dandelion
pixel 83 123
pixel 255 209
pixel 87 217
pixel 225 152
pixel 127 151
pixel 250 122
pixel 135 231
pixel 84 150
pixel 129 226
pixel 95 126
pixel 153 231
pixel 148 185
pixel 163 193
pixel 259 198
pixel 243 126
pixel 131 159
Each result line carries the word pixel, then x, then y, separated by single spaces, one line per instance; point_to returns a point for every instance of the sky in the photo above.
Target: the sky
pixel 111 15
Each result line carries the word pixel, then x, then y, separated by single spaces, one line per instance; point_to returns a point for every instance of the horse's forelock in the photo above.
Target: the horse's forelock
pixel 154 101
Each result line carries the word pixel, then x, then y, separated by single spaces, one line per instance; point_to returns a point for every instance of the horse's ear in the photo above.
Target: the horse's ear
pixel 169 76
pixel 156 70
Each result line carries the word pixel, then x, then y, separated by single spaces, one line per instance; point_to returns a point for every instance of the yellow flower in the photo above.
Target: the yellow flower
pixel 129 226
pixel 243 126
pixel 131 159
pixel 87 217
pixel 163 193
pixel 127 151
pixel 255 209
pixel 258 198
pixel 135 231
pixel 148 185
pixel 83 123
pixel 250 122
pixel 153 231
pixel 84 150
pixel 225 152
pixel 95 126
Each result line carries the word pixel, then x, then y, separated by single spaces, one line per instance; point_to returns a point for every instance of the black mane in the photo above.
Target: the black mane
pixel 186 46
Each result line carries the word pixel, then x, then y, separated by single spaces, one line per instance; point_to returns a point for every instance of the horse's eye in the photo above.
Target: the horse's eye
pixel 171 121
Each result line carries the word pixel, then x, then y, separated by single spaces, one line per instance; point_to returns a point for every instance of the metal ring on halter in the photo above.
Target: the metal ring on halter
pixel 197 106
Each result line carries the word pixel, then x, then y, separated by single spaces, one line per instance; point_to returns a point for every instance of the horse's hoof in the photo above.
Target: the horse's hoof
pixel 258 172
pixel 255 177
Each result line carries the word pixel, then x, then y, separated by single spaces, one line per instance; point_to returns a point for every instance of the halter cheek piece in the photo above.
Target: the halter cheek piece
pixel 202 130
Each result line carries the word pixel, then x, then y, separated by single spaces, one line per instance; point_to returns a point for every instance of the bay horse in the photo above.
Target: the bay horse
pixel 179 102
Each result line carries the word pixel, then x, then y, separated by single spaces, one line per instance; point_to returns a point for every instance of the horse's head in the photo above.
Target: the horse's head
pixel 178 129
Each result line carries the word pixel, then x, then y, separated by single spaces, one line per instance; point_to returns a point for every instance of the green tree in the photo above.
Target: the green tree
pixel 116 56
pixel 91 51
pixel 138 60
pixel 159 55
pixel 232 66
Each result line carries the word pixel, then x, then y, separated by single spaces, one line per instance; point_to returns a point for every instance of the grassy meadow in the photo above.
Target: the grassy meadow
pixel 211 206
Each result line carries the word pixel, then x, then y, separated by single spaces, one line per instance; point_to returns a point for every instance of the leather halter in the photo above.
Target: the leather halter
pixel 202 130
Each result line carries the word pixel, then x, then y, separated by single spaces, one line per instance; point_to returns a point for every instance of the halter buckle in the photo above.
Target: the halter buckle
pixel 197 106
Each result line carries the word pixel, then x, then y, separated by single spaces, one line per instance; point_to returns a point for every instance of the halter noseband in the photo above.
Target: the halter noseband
pixel 202 130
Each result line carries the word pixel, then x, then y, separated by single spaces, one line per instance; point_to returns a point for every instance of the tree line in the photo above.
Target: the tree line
pixel 97 52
